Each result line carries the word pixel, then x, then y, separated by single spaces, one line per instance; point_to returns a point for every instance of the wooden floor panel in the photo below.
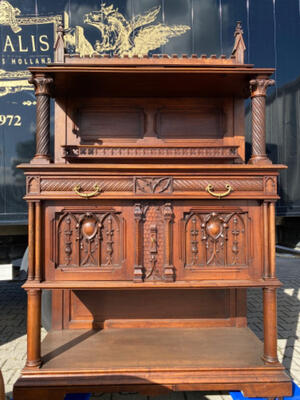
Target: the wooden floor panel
pixel 154 349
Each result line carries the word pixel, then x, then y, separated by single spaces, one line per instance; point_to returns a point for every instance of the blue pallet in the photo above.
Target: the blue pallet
pixel 78 396
pixel 295 396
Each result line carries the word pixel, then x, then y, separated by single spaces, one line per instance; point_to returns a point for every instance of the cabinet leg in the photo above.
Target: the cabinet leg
pixel 33 328
pixel 270 325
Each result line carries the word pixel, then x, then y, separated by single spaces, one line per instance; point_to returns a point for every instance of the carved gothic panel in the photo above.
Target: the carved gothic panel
pixel 153 243
pixel 88 239
pixel 153 252
pixel 216 239
pixel 270 185
pixel 33 184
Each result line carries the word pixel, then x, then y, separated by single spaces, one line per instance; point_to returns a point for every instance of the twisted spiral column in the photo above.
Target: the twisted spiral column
pixel 42 125
pixel 42 85
pixel 258 89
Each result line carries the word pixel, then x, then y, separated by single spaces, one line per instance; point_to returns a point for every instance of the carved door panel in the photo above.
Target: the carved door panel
pixel 217 242
pixel 86 242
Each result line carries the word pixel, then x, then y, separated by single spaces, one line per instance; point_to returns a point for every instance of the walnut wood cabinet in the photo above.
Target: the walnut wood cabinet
pixel 148 226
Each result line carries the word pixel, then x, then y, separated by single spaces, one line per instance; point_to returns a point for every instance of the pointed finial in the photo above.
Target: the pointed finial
pixel 238 28
pixel 59 45
pixel 239 44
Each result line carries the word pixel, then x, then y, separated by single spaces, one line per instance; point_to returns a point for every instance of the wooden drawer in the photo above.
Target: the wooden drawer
pixel 159 186
pixel 152 240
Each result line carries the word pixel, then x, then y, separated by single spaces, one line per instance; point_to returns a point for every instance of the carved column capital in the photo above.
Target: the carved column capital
pixel 259 86
pixel 138 211
pixel 168 211
pixel 42 84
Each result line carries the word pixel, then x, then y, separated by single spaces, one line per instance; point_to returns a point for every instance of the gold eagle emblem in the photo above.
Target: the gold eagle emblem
pixel 120 36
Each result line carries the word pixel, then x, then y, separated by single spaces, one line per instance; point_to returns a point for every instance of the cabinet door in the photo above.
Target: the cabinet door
pixel 216 240
pixel 87 241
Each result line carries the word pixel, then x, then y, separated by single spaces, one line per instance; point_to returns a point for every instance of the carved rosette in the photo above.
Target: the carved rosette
pixel 42 84
pixel 214 234
pixel 258 89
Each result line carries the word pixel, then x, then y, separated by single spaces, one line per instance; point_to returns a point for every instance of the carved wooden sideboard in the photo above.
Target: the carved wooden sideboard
pixel 148 226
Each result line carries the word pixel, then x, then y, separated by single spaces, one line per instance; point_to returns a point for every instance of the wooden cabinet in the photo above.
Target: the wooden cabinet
pixel 152 240
pixel 148 226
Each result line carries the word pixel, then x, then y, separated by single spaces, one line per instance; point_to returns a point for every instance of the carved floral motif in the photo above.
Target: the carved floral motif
pixel 153 185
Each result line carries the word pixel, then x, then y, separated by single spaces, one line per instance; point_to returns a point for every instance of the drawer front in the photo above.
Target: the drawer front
pixel 196 186
pixel 152 240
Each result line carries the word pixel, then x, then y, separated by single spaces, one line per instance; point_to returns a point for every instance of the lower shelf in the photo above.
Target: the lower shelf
pixel 158 348
pixel 166 358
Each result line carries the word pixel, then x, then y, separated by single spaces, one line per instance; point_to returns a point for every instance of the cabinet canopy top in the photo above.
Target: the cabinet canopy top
pixel 151 81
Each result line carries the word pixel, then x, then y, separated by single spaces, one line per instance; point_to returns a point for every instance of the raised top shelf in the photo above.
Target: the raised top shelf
pixel 165 80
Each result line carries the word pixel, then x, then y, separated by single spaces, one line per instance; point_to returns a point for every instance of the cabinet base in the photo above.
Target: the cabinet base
pixel 150 361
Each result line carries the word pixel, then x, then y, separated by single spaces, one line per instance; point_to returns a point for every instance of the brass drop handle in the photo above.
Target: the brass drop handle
pixel 210 189
pixel 96 191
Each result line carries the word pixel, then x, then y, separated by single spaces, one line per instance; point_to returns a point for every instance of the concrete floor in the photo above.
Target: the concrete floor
pixel 13 331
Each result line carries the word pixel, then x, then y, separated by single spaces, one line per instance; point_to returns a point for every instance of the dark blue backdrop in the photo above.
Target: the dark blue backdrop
pixel 271 32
